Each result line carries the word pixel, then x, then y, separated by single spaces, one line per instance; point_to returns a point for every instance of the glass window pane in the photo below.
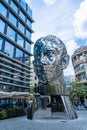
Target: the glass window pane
pixel 22 15
pixel 29 11
pixel 7 1
pixel 9 49
pixel 14 6
pixel 11 33
pixel 3 9
pixel 1 40
pixel 29 23
pixel 81 66
pixel 12 18
pixel 83 75
pixel 20 40
pixel 23 3
pixel 2 26
pixel 21 27
pixel 28 46
pixel 18 0
pixel 28 34
pixel 26 59
pixel 19 54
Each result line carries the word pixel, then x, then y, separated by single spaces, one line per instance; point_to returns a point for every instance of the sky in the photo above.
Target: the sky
pixel 66 19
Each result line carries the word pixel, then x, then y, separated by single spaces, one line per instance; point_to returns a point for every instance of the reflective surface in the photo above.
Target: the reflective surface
pixel 3 26
pixel 11 33
pixel 20 40
pixel 50 58
pixel 19 54
pixel 15 48
pixel 21 27
pixel 22 15
pixel 14 6
pixel 9 49
pixel 1 40
pixel 12 19
pixel 3 9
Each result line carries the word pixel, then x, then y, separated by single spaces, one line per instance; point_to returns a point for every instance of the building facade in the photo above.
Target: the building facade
pixel 68 80
pixel 15 45
pixel 79 60
pixel 33 79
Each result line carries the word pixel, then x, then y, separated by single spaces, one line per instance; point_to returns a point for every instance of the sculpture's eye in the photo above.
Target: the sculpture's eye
pixel 50 56
pixel 45 53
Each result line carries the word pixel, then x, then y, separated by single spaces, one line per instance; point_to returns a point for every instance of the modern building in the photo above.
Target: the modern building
pixel 15 45
pixel 33 79
pixel 79 60
pixel 68 80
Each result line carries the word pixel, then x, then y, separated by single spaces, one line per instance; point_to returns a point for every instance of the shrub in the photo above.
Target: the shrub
pixel 3 114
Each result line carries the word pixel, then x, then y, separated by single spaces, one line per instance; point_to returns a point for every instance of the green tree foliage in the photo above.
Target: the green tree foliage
pixel 77 89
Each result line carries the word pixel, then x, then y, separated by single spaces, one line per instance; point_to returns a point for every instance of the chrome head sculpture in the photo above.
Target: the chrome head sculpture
pixel 50 58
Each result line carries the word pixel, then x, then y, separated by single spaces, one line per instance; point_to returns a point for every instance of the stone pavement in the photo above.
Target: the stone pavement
pixel 46 114
pixel 45 123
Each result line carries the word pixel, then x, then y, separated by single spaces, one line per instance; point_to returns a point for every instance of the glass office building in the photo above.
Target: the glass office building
pixel 15 45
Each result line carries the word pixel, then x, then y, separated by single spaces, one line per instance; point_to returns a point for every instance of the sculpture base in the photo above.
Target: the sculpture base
pixel 61 103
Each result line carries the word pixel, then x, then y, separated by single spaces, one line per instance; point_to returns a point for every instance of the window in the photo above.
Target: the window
pixel 12 19
pixel 11 33
pixel 81 66
pixel 9 49
pixel 26 59
pixel 29 11
pixel 19 54
pixel 7 1
pixel 78 76
pixel 6 74
pixel 28 34
pixel 1 40
pixel 2 26
pixel 22 15
pixel 23 4
pixel 81 57
pixel 3 10
pixel 29 23
pixel 18 0
pixel 35 77
pixel 21 27
pixel 83 75
pixel 28 46
pixel 14 6
pixel 20 40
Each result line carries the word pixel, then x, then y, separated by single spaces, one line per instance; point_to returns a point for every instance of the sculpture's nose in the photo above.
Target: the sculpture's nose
pixel 44 61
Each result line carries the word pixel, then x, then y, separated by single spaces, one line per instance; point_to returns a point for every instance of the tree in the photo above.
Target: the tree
pixel 77 90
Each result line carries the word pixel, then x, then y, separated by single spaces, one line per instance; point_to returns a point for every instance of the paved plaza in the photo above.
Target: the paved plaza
pixel 42 121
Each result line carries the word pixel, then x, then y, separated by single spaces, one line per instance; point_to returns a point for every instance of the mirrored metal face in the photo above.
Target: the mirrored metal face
pixel 49 60
pixel 48 56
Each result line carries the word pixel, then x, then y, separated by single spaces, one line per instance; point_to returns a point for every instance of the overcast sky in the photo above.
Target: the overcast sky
pixel 66 19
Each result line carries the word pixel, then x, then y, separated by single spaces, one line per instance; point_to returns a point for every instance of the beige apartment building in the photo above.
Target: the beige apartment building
pixel 79 60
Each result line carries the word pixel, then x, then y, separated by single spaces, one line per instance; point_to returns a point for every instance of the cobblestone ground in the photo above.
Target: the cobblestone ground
pixel 22 123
